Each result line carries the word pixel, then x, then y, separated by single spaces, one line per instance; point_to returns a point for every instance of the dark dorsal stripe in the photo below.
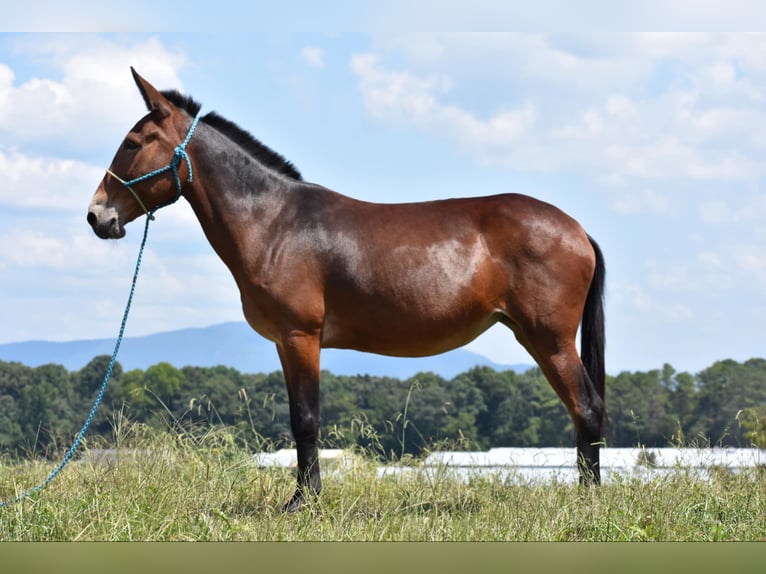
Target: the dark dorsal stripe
pixel 242 138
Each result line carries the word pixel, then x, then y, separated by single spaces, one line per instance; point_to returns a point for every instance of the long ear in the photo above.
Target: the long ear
pixel 155 101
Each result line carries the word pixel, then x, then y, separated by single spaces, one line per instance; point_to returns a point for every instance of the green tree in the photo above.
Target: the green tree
pixel 41 408
pixel 725 389
pixel 495 388
pixel 549 421
pixel 682 403
pixel 44 410
pixel 638 410
pixel 164 381
pixel 211 395
pixel 753 423
pixel 340 406
pixel 265 410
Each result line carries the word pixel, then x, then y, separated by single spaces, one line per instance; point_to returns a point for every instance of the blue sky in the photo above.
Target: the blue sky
pixel 654 142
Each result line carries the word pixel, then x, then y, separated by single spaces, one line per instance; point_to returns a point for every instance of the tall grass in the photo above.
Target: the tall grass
pixel 203 486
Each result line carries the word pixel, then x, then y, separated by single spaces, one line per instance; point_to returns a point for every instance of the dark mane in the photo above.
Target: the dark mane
pixel 242 138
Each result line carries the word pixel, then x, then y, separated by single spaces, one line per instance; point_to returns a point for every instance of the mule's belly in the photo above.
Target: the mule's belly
pixel 401 335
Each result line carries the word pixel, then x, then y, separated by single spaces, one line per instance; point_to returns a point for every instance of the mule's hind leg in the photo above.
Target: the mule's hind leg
pixel 299 354
pixel 565 372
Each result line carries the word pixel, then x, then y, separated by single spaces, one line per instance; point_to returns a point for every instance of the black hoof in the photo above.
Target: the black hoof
pixel 295 504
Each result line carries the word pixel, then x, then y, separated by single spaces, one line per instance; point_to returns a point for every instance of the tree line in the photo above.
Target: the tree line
pixel 42 408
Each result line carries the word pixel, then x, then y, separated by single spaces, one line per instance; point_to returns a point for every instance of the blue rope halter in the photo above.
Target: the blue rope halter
pixel 178 155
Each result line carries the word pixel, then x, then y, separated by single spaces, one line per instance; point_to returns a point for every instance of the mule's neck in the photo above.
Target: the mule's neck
pixel 232 193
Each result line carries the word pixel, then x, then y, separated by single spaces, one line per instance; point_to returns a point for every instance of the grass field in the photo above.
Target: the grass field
pixel 206 488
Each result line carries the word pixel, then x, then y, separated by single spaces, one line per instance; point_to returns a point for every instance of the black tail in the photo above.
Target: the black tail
pixel 592 339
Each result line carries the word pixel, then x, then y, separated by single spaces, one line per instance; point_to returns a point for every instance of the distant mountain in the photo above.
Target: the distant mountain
pixel 234 345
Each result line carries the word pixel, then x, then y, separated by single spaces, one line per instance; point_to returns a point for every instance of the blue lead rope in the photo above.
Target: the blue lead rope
pixel 178 154
pixel 101 391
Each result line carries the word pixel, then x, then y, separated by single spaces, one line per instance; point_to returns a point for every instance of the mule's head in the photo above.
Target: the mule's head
pixel 148 146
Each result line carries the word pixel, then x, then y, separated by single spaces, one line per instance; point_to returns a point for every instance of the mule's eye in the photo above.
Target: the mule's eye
pixel 130 145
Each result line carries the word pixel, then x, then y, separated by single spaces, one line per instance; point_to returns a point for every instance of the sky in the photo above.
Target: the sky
pixel 654 142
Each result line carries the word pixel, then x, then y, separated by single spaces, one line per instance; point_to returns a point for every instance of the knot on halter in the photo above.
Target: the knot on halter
pixel 179 154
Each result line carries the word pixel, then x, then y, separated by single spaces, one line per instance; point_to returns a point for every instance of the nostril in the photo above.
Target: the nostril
pixel 91 218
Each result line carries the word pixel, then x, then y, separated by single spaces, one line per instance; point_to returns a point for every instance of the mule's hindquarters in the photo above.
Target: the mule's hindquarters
pixel 566 292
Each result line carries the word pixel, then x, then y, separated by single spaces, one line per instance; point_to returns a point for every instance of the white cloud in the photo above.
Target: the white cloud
pixel 745 208
pixel 59 279
pixel 41 250
pixel 673 278
pixel 313 56
pixel 406 98
pixel 637 298
pixel 709 259
pixel 392 95
pixel 715 211
pixel 650 302
pixel 628 110
pixel 749 261
pixel 95 100
pixel 45 183
pixel 647 200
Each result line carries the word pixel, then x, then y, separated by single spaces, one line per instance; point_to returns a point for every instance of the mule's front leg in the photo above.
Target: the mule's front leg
pixel 299 353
